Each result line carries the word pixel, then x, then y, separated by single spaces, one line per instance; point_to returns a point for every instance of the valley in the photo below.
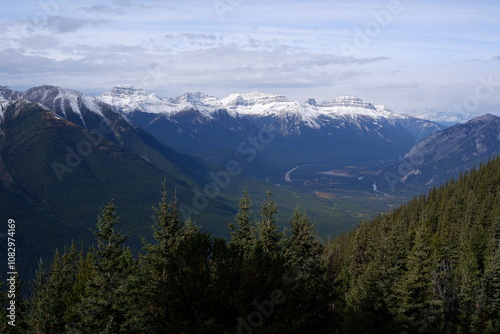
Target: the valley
pixel 343 161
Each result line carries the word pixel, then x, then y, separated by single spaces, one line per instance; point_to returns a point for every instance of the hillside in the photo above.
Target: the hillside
pixel 430 266
pixel 55 175
pixel 444 154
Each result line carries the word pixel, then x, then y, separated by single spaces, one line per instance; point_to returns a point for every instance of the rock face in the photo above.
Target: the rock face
pixel 444 154
pixel 350 101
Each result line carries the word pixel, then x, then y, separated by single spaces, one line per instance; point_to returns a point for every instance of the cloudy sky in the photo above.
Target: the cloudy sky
pixel 401 53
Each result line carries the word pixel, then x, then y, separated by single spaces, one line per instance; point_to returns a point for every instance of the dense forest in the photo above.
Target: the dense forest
pixel 431 266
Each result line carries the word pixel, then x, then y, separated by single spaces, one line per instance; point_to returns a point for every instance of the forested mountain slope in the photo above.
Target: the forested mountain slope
pixel 431 266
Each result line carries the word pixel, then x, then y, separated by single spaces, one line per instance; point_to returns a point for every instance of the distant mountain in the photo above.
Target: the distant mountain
pixel 446 153
pixel 447 117
pixel 129 100
pixel 7 94
pixel 345 129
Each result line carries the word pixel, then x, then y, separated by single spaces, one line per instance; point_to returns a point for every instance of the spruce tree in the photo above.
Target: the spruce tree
pixel 243 232
pixel 156 263
pixel 493 281
pixel 270 236
pixel 309 298
pixel 419 305
pixel 105 305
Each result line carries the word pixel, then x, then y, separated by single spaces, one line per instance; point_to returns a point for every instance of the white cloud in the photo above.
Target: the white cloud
pixel 430 54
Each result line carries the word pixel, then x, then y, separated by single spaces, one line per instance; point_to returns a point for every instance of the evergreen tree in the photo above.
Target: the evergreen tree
pixel 309 301
pixel 419 305
pixel 470 270
pixel 270 237
pixel 243 232
pixel 105 305
pixel 493 282
pixel 156 264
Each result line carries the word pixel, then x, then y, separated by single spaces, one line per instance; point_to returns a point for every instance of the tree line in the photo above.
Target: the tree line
pixel 430 266
pixel 263 279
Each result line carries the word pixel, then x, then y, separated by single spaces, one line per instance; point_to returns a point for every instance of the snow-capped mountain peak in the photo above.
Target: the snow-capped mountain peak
pixel 199 101
pixel 7 94
pixel 347 108
pixel 350 101
pixel 67 103
pixel 353 106
pixel 62 99
pixel 447 117
pixel 250 99
pixel 130 98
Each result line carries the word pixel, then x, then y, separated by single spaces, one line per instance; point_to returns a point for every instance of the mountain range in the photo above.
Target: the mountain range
pixel 64 153
pixel 344 130
pixel 447 117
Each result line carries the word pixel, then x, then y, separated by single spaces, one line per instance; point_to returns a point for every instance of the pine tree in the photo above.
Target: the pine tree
pixel 243 232
pixel 470 269
pixel 493 281
pixel 304 249
pixel 55 297
pixel 270 237
pixel 156 264
pixel 39 318
pixel 167 227
pixel 105 305
pixel 309 299
pixel 419 304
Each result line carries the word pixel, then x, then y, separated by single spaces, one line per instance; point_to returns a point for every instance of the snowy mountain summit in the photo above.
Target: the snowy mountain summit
pixel 127 99
pixel 350 101
pixel 294 117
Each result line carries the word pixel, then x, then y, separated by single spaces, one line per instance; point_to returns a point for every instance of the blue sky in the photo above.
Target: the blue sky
pixel 401 53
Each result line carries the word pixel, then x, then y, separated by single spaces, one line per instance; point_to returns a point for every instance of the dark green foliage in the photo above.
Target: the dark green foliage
pixel 105 300
pixel 430 266
pixel 187 281
pixel 56 293
pixel 243 233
